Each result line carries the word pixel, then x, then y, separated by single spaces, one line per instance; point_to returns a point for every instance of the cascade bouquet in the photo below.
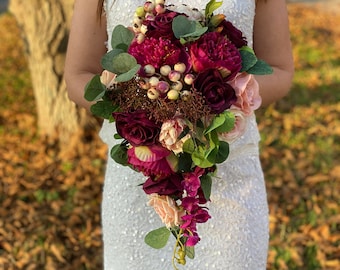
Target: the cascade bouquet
pixel 179 87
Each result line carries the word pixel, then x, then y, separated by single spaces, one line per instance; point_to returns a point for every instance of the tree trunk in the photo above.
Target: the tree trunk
pixel 45 28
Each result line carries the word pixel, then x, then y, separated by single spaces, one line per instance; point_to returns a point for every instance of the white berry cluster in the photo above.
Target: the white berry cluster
pixel 170 82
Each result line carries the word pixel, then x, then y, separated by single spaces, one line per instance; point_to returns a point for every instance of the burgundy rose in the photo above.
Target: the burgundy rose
pixel 218 94
pixel 137 128
pixel 232 33
pixel 213 50
pixel 170 185
pixel 161 25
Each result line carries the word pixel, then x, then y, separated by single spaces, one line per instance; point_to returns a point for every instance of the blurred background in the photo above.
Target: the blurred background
pixel 52 161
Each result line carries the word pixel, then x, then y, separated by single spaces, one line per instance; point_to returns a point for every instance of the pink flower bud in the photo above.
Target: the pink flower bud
pixel 177 86
pixel 140 38
pixel 173 94
pixel 143 28
pixel 153 81
pixel 185 95
pixel 160 8
pixel 144 84
pixel 152 94
pixel 165 70
pixel 149 6
pixel 163 87
pixel 149 70
pixel 189 79
pixel 180 67
pixel 174 76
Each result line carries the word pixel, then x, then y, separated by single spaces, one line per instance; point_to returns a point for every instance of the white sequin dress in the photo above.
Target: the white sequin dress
pixel 236 237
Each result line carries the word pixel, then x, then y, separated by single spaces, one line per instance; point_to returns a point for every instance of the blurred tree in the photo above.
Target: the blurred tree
pixel 44 26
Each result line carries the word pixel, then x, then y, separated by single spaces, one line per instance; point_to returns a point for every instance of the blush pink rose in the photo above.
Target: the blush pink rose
pixel 167 210
pixel 240 126
pixel 170 131
pixel 247 93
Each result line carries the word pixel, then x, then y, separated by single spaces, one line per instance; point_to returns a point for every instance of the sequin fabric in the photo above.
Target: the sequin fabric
pixel 236 237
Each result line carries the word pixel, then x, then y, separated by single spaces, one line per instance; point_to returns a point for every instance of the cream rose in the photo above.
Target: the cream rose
pixel 170 131
pixel 167 209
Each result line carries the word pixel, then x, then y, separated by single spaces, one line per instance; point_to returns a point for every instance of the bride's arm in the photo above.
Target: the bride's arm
pixel 86 46
pixel 272 44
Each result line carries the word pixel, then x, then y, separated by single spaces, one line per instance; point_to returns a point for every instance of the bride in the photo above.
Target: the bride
pixel 236 237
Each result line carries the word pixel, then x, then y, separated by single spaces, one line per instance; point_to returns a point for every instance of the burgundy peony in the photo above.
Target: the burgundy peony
pixel 156 52
pixel 161 26
pixel 218 94
pixel 170 185
pixel 137 128
pixel 213 50
pixel 227 29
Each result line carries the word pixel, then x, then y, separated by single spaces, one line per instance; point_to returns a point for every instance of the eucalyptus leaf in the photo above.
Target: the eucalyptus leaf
pixel 206 183
pixel 157 238
pixel 94 89
pixel 181 26
pixel 103 109
pixel 107 59
pixel 128 75
pixel 260 68
pixel 123 62
pixel 121 37
pixel 119 154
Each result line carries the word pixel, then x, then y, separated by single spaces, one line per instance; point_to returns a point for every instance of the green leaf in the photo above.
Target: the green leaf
pixel 223 152
pixel 128 75
pixel 119 154
pixel 206 183
pixel 211 7
pixel 260 68
pixel 121 37
pixel 190 252
pixel 228 124
pixel 94 89
pixel 157 238
pixel 123 62
pixel 189 146
pixel 103 109
pixel 248 57
pixel 185 28
pixel 107 59
pixel 184 162
pixel 223 122
pixel 199 157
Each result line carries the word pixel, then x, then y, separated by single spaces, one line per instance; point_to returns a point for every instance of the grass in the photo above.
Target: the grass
pixel 50 207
